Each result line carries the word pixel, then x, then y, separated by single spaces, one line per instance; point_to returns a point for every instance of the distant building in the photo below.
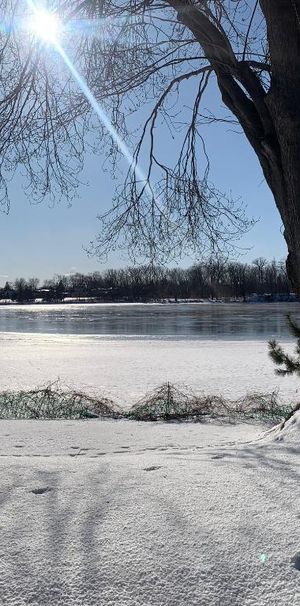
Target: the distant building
pixel 272 298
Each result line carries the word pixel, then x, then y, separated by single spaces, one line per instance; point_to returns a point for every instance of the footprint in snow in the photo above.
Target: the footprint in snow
pixel 296 561
pixel 41 490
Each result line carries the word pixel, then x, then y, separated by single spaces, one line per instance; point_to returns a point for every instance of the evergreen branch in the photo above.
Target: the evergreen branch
pixel 280 358
pixel 276 352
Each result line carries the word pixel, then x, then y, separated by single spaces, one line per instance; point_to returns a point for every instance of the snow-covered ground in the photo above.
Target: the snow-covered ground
pixel 125 369
pixel 118 513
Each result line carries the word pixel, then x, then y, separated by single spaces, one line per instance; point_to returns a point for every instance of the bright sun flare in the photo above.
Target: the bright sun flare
pixel 46 26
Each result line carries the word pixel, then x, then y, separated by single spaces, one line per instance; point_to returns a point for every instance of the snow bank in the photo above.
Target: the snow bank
pixel 290 433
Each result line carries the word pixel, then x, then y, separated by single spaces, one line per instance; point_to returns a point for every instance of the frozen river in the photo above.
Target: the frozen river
pixel 125 350
pixel 184 321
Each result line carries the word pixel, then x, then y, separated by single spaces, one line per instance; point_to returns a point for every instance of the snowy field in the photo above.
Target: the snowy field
pixel 124 369
pixel 118 513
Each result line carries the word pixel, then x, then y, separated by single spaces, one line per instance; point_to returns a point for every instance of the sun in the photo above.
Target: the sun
pixel 46 26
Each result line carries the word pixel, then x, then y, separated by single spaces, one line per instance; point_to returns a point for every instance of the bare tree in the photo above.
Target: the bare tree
pixel 133 52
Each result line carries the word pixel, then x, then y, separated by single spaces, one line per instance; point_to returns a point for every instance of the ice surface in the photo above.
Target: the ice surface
pixel 118 513
pixel 125 369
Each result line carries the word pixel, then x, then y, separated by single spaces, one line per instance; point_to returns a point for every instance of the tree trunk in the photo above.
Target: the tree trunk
pixel 283 102
pixel 271 121
pixel 291 222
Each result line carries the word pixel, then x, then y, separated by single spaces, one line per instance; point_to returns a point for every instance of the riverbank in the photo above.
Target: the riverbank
pixel 253 298
pixel 115 513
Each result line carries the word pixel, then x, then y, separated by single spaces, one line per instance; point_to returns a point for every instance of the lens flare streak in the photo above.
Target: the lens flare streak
pixel 101 114
pixel 141 177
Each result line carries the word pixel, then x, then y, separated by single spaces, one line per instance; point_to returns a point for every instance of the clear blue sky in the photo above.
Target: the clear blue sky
pixel 40 241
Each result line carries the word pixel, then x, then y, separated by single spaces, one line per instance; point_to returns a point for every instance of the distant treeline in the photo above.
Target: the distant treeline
pixel 212 279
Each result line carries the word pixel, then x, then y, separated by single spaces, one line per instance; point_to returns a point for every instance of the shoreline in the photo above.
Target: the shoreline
pixel 85 301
